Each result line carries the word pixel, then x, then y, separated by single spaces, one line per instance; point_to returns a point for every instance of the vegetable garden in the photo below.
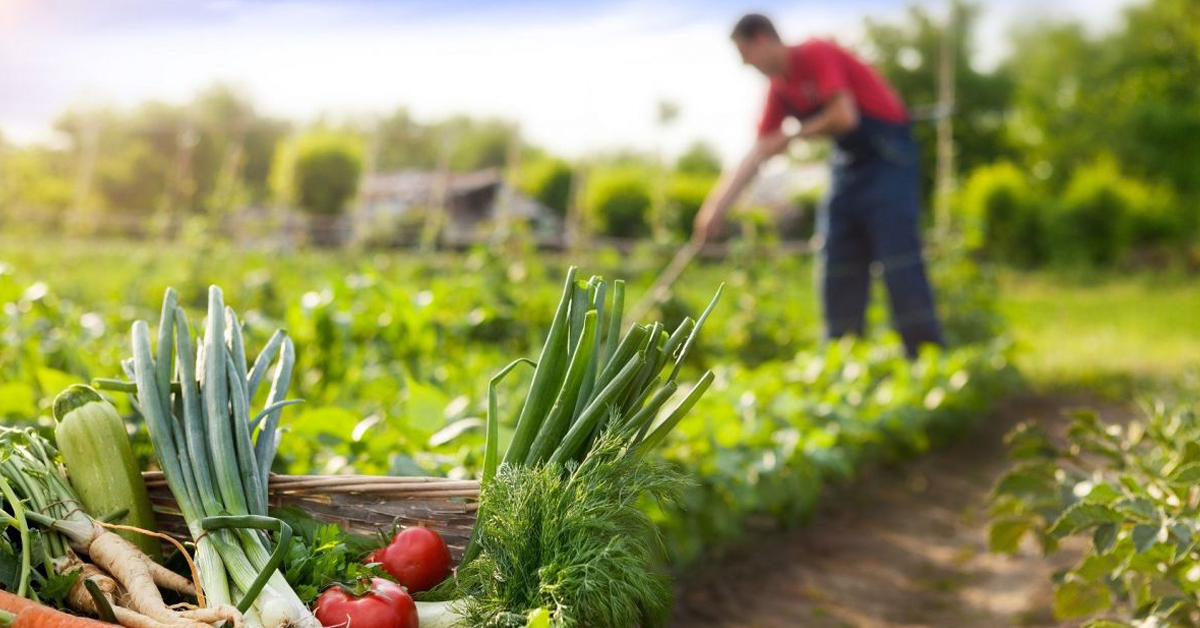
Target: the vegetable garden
pixel 672 434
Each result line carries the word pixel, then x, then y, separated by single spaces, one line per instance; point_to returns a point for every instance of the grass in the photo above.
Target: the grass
pixel 1108 332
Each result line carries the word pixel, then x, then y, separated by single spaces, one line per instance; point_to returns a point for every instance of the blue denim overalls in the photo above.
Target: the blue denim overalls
pixel 871 213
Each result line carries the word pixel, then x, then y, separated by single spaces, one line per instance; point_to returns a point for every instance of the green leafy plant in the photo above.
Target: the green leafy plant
pixel 1131 490
pixel 577 543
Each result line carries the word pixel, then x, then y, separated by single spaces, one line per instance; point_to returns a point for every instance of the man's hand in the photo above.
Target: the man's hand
pixel 731 184
pixel 770 145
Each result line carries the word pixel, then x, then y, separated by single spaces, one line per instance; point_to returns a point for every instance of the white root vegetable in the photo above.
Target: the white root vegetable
pixel 439 615
pixel 167 579
pixel 81 599
pixel 139 596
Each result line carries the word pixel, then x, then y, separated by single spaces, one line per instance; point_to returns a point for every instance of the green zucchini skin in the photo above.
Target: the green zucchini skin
pixel 95 449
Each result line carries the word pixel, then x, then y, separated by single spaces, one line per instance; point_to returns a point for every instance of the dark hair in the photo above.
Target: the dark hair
pixel 752 25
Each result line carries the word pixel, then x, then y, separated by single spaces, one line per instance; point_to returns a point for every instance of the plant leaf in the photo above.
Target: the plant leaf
pixel 1081 516
pixel 1005 534
pixel 1076 598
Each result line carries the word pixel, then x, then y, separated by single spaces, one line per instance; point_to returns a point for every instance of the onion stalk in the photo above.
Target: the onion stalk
pixel 589 379
pixel 214 460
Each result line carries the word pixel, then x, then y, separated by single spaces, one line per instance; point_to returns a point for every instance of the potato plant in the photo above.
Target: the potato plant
pixel 1132 492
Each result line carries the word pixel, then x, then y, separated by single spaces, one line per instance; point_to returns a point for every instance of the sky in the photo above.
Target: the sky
pixel 576 76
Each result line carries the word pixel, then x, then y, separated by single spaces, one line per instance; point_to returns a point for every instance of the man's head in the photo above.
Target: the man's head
pixel 759 44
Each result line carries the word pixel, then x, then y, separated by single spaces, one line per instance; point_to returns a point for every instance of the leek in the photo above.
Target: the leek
pixel 215 464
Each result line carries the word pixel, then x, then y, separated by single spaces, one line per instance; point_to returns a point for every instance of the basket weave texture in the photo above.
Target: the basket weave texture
pixel 359 504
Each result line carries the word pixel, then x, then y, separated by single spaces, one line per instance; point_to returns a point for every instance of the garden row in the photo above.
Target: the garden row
pixel 393 359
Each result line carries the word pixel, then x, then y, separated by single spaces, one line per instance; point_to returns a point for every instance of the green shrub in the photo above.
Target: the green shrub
pixel 35 181
pixel 548 181
pixel 1002 214
pixel 1156 215
pixel 1102 213
pixel 699 159
pixel 685 194
pixel 318 172
pixel 618 202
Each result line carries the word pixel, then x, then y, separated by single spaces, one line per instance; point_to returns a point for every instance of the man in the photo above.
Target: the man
pixel 871 212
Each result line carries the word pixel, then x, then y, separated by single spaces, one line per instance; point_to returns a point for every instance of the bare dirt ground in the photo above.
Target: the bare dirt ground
pixel 906 546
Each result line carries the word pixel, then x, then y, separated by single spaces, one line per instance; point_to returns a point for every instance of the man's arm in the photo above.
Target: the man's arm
pixel 732 183
pixel 838 116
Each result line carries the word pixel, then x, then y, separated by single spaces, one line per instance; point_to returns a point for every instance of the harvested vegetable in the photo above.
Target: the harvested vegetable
pixel 578 543
pixel 27 464
pixel 39 616
pixel 589 379
pixel 560 535
pixel 95 449
pixel 417 558
pixel 14 603
pixel 216 457
pixel 382 604
pixel 322 555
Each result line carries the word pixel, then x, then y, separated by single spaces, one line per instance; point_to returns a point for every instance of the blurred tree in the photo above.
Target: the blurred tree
pixel 1104 212
pixel 210 155
pixel 472 144
pixel 1054 123
pixel 36 184
pixel 234 145
pixel 476 144
pixel 668 113
pixel 319 171
pixel 406 143
pixel 1134 93
pixel 699 158
pixel 631 158
pixel 907 54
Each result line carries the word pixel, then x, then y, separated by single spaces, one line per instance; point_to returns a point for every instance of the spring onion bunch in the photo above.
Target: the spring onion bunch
pixel 559 530
pixel 589 380
pixel 216 455
pixel 32 484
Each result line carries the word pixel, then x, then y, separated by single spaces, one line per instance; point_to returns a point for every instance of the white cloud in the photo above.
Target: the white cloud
pixel 575 83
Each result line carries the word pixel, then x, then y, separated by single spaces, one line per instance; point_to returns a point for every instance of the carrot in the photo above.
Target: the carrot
pixel 14 603
pixel 38 616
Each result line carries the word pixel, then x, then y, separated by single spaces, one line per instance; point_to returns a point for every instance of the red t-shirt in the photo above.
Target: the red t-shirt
pixel 818 69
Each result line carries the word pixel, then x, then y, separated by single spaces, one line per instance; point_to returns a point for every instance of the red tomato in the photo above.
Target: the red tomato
pixel 386 605
pixel 417 558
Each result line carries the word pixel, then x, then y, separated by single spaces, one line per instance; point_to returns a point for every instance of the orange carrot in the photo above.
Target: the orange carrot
pixel 38 616
pixel 14 603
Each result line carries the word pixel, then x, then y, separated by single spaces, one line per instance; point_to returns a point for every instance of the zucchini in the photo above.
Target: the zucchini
pixel 95 449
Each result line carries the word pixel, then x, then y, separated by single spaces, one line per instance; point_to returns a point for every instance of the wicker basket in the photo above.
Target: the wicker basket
pixel 361 504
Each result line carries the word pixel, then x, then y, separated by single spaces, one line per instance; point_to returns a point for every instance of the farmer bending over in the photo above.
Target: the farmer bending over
pixel 871 210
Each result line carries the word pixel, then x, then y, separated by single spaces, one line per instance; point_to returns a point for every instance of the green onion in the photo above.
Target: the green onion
pixel 214 461
pixel 590 380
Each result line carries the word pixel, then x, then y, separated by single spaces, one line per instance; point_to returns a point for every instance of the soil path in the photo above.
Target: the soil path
pixel 904 547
